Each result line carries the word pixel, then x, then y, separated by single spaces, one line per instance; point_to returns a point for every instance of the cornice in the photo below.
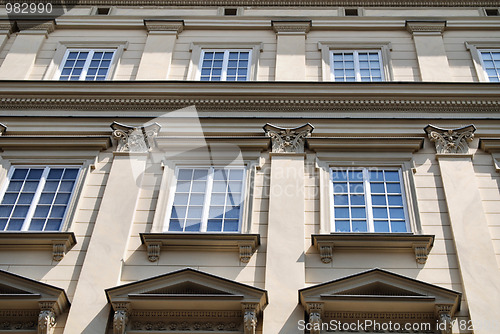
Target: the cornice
pixel 22 97
pixel 295 3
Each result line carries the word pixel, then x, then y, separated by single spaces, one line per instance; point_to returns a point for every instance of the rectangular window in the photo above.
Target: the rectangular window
pixel 207 200
pixel 225 65
pixel 368 200
pixel 88 65
pixel 37 198
pixel 491 64
pixel 356 66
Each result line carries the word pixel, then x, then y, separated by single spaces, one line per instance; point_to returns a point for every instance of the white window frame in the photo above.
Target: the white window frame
pixel 196 48
pixel 206 204
pixel 475 49
pixel 225 62
pixel 87 62
pixel 384 48
pixel 367 195
pixel 54 70
pixel 357 70
pixel 36 197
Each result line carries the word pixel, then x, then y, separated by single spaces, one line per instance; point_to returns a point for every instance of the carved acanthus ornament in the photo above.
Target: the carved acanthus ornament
pixel 47 317
pixel 135 139
pixel 250 317
pixel 444 315
pixel 451 140
pixel 120 317
pixel 288 140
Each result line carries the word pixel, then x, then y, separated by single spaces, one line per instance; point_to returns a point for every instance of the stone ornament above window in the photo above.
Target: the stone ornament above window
pixel 288 140
pixel 454 141
pixel 132 139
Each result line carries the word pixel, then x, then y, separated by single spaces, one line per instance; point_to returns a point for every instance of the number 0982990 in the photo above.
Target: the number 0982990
pixel 28 8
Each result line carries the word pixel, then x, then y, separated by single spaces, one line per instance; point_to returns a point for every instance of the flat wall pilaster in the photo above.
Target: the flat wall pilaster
pixel 471 234
pixel 431 54
pixel 21 57
pixel 102 267
pixel 157 55
pixel 291 50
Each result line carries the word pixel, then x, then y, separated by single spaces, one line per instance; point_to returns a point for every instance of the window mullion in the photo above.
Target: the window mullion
pixel 36 198
pixel 87 65
pixel 356 65
pixel 206 202
pixel 242 197
pixel 225 61
pixel 368 200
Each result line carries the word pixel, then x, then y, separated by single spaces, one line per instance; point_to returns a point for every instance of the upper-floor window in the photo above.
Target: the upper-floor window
pixel 207 200
pixel 368 200
pixel 491 64
pixel 86 64
pixel 365 65
pixel 225 65
pixel 37 198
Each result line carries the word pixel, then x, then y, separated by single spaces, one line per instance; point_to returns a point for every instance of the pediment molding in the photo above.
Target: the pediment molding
pixel 186 300
pixel 391 293
pixel 30 304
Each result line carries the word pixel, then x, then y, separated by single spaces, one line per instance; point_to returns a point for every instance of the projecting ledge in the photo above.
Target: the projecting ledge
pixel 327 243
pixel 59 242
pixel 245 244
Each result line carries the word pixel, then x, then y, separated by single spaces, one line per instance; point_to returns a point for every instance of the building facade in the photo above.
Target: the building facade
pixel 250 167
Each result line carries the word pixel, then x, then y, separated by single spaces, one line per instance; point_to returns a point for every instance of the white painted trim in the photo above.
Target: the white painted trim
pixel 384 47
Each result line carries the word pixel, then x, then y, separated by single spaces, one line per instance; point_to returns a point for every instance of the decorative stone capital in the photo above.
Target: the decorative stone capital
pixel 451 140
pixel 165 25
pixel 291 27
pixel 250 317
pixel 38 27
pixel 285 140
pixel 3 128
pixel 47 317
pixel 120 317
pixel 315 311
pixel 444 315
pixel 135 139
pixel 425 27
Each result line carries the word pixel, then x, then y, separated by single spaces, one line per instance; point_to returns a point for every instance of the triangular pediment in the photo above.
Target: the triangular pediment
pixel 186 288
pixel 378 289
pixel 18 292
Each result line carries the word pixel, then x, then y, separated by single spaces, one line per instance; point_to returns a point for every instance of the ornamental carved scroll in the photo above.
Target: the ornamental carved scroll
pixel 288 140
pixel 454 141
pixel 135 139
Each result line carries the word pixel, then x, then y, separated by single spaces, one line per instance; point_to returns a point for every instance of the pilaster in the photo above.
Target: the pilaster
pixel 473 241
pixel 157 55
pixel 21 57
pixel 291 49
pixel 285 270
pixel 103 262
pixel 431 53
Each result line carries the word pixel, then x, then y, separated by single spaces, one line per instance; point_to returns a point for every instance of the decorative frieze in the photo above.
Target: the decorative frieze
pixel 425 27
pixel 291 27
pixel 135 139
pixel 187 325
pixel 288 140
pixel 250 317
pixel 164 25
pixel 451 141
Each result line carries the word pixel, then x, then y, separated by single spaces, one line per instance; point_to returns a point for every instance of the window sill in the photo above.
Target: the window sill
pixel 245 244
pixel 418 243
pixel 59 242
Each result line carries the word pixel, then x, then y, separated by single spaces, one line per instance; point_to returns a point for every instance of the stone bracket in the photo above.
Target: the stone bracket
pixel 120 317
pixel 444 314
pixel 250 317
pixel 59 242
pixel 245 244
pixel 420 244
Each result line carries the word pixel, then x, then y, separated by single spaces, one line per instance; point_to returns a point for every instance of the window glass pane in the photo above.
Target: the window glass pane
pixel 491 62
pixel 356 66
pixel 342 226
pixel 224 65
pixel 359 226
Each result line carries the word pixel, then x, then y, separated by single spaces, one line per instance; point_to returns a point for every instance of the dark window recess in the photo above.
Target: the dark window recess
pixel 103 10
pixel 351 12
pixel 492 12
pixel 230 11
